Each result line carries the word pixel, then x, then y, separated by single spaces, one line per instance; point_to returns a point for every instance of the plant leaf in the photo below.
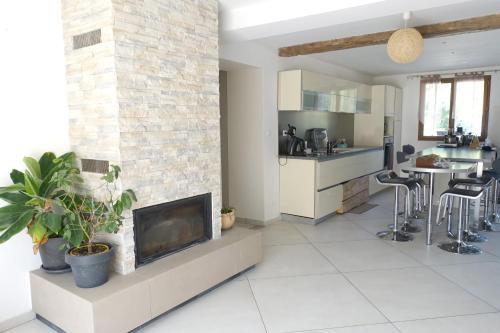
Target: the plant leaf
pixel 126 201
pixel 116 170
pixel 12 188
pixel 17 176
pixel 15 198
pixel 73 234
pixel 46 163
pixel 118 208
pixel 11 213
pixel 30 184
pixel 33 167
pixel 37 230
pixel 132 194
pixel 53 222
pixel 21 223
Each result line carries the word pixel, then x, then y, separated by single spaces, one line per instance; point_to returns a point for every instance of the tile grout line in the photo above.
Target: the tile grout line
pixel 350 282
pixel 345 277
pixel 256 304
pixel 444 317
pixel 431 267
pixel 463 288
pixel 341 327
pixel 422 265
pixel 402 252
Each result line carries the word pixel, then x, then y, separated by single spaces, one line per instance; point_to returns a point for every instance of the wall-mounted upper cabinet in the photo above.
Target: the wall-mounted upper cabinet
pixel 300 90
pixel 390 99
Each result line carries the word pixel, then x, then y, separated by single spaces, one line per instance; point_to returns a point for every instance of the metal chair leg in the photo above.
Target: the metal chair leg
pixel 407 226
pixel 459 246
pixel 469 235
pixel 395 234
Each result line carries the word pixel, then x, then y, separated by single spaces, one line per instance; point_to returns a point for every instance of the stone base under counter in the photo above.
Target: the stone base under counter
pixel 126 302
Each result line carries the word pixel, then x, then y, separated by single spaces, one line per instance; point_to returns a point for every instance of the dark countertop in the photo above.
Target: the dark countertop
pixel 344 152
pixel 461 154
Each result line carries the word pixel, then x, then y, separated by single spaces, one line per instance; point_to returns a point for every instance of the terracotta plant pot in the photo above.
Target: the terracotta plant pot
pixel 227 220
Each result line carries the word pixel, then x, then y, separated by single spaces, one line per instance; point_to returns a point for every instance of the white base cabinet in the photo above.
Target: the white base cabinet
pixel 313 189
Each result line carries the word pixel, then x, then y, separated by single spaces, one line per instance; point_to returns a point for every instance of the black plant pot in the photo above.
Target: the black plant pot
pixel 90 271
pixel 52 255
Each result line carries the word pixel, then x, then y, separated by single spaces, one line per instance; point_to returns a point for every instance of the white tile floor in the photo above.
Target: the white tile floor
pixel 337 277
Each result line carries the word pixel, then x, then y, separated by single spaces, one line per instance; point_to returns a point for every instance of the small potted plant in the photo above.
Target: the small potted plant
pixel 89 258
pixel 227 218
pixel 35 203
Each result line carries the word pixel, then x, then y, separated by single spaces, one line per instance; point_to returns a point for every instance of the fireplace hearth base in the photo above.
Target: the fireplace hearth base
pixel 129 301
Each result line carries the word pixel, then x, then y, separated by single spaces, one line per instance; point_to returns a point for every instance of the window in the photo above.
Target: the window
pixel 451 103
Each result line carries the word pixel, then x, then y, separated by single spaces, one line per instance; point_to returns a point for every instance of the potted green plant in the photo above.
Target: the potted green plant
pixel 227 218
pixel 87 215
pixel 34 202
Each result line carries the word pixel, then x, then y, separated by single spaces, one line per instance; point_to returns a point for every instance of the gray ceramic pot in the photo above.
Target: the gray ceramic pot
pixel 52 255
pixel 90 271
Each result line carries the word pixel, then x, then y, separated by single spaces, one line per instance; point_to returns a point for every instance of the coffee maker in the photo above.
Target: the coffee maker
pixel 295 145
pixel 317 139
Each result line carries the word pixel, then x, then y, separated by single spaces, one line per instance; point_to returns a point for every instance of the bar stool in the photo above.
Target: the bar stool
pixel 484 182
pixel 491 220
pixel 392 179
pixel 459 245
pixel 410 150
pixel 415 205
pixel 494 218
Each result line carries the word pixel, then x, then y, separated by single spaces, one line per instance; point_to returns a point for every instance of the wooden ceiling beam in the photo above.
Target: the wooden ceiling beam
pixel 475 24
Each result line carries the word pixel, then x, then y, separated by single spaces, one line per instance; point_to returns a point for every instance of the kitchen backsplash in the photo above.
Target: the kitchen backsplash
pixel 338 125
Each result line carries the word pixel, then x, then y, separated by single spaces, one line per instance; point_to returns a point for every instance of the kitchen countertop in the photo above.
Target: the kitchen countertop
pixel 343 152
pixel 461 154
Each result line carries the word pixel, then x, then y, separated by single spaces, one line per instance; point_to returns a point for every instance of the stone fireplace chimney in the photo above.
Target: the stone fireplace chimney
pixel 142 86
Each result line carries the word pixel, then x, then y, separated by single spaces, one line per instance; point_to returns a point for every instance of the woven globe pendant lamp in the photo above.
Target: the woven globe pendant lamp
pixel 405 45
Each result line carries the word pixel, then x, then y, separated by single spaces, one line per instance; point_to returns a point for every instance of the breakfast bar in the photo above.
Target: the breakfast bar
pixel 460 160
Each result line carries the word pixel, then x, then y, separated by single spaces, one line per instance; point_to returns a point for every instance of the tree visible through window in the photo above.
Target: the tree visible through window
pixel 451 103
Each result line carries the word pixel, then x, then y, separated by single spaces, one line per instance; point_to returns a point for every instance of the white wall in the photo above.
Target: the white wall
pixel 245 161
pixel 411 96
pixel 254 54
pixel 33 119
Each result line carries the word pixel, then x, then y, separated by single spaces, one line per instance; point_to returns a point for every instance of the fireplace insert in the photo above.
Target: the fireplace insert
pixel 167 228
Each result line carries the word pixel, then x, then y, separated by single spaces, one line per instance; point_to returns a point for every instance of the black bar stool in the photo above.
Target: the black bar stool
pixel 494 217
pixel 459 245
pixel 415 210
pixel 484 182
pixel 491 221
pixel 392 179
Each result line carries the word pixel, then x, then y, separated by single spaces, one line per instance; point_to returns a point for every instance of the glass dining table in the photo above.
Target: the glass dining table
pixel 450 168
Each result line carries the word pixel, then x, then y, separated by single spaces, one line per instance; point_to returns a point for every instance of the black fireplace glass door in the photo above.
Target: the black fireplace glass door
pixel 166 228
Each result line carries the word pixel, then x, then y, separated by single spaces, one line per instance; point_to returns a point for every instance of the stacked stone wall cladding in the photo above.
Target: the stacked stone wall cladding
pixel 147 99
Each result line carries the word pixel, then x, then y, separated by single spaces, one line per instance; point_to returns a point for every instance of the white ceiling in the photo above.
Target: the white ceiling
pixel 439 54
pixel 449 53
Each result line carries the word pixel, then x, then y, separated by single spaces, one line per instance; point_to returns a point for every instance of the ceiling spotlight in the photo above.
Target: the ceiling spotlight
pixel 405 45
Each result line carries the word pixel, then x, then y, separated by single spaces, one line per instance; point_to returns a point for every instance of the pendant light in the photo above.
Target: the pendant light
pixel 405 45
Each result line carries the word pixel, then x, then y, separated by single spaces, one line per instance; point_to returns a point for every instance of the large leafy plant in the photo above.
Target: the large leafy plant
pixel 99 211
pixel 35 199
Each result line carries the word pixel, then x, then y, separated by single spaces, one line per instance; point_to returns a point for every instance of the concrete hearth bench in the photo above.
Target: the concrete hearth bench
pixel 128 301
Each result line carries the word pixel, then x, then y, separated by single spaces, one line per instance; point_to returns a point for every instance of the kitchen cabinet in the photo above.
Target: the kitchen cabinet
pixel 369 127
pixel 398 104
pixel 301 90
pixel 389 100
pixel 386 102
pixel 313 188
